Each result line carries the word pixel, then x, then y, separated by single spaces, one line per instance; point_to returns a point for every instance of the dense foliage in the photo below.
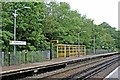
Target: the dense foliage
pixel 45 22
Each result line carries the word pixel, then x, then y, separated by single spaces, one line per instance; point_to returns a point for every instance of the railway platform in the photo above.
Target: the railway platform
pixel 55 63
pixel 40 64
pixel 47 63
pixel 115 74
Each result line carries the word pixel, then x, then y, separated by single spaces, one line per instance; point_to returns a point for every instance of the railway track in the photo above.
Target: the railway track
pixel 94 70
pixel 79 71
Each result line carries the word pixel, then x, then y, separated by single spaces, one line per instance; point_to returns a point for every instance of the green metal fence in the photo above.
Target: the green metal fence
pixel 7 58
pixel 23 57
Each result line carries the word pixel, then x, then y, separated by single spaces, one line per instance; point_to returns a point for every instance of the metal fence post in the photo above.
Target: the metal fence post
pixel 51 50
pixel 32 57
pixel 2 58
pixel 41 52
pixel 20 57
pixel 9 58
pixel 25 57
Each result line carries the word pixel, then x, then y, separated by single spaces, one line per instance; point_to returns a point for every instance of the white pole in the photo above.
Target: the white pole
pixel 15 15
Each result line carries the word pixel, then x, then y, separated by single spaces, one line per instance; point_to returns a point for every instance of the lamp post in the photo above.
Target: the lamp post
pixel 79 41
pixel 114 45
pixel 79 37
pixel 94 44
pixel 15 15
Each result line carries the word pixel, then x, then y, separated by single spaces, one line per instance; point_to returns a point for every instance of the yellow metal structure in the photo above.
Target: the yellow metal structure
pixel 64 50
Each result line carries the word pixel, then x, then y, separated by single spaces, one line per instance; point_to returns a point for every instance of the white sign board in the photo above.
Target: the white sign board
pixel 17 42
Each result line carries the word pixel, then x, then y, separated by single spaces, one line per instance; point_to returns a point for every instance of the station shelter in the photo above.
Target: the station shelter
pixel 65 50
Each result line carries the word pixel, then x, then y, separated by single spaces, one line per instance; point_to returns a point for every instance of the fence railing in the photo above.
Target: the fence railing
pixel 7 58
pixel 98 51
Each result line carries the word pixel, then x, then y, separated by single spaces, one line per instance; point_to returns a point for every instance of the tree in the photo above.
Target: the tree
pixel 49 21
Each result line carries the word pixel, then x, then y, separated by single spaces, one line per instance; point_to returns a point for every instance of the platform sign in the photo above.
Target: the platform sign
pixel 54 41
pixel 17 43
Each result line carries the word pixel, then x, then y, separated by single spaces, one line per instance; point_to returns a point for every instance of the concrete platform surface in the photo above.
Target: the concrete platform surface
pixel 115 74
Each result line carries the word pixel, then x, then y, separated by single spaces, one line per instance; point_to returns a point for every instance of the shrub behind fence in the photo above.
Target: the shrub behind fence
pixel 23 57
pixel 7 58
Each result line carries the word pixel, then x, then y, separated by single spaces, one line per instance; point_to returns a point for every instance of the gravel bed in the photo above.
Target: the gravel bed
pixel 101 75
pixel 69 71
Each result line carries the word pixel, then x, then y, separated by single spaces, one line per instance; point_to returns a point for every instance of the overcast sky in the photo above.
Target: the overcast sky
pixel 98 10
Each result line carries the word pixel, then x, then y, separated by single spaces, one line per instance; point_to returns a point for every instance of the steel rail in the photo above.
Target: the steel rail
pixel 37 70
pixel 94 70
pixel 70 69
